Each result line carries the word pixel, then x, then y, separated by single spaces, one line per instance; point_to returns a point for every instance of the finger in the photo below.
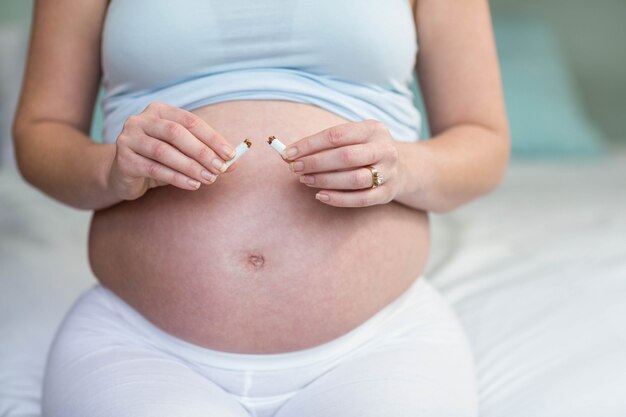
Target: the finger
pixel 162 152
pixel 149 168
pixel 356 179
pixel 341 135
pixel 182 139
pixel 346 157
pixel 196 125
pixel 362 198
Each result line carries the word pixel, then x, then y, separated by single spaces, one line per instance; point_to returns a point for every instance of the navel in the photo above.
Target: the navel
pixel 256 261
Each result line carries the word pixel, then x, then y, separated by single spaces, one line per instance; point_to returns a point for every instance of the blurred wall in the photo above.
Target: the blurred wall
pixel 14 27
pixel 593 37
pixel 14 10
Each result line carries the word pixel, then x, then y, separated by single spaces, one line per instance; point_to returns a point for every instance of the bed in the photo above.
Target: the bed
pixel 536 272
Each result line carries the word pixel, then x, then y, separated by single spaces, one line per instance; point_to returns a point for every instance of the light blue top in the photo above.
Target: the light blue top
pixel 352 57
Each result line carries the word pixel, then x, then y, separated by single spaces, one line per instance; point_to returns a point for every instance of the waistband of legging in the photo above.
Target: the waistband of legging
pixel 330 350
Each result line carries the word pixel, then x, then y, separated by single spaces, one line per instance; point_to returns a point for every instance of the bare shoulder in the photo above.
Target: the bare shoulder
pixel 63 65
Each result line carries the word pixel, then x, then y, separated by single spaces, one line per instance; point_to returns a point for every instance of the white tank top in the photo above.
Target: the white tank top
pixel 352 57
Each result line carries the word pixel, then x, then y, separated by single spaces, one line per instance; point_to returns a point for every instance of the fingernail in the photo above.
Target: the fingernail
pixel 322 197
pixel 218 164
pixel 229 151
pixel 208 176
pixel 290 152
pixel 307 179
pixel 297 166
pixel 195 184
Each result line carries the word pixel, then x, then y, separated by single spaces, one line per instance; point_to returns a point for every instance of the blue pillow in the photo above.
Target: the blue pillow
pixel 545 113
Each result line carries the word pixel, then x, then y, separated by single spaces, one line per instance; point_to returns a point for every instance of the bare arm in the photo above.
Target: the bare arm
pixel 163 145
pixel 459 75
pixel 51 127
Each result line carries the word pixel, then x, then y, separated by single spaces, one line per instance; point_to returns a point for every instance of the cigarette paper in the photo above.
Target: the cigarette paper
pixel 276 144
pixel 239 150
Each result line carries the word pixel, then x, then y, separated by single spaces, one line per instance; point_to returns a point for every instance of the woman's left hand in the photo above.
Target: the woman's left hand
pixel 336 158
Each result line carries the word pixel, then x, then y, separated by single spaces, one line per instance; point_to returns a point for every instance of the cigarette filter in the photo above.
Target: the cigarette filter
pixel 276 144
pixel 239 151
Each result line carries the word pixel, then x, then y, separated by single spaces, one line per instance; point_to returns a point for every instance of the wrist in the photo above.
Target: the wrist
pixel 103 160
pixel 413 175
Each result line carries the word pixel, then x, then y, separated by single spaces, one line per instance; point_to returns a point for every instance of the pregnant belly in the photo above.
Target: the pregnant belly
pixel 254 263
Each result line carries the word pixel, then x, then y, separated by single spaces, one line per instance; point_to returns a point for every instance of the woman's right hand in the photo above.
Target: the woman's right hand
pixel 166 145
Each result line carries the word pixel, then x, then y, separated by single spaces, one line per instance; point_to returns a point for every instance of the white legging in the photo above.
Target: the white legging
pixel 412 358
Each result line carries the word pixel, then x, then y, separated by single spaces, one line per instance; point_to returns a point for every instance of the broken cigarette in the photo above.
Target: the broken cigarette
pixel 276 144
pixel 239 150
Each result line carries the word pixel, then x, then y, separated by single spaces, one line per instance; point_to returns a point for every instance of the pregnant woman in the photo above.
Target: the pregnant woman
pixel 287 285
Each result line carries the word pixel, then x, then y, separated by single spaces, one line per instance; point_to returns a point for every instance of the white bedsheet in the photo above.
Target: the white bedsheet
pixel 536 271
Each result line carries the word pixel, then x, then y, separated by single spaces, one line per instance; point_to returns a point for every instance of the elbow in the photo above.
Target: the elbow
pixel 499 162
pixel 19 152
pixel 20 134
pixel 503 157
pixel 499 147
pixel 21 156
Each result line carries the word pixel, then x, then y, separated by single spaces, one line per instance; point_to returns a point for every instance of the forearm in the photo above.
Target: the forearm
pixel 453 168
pixel 65 164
